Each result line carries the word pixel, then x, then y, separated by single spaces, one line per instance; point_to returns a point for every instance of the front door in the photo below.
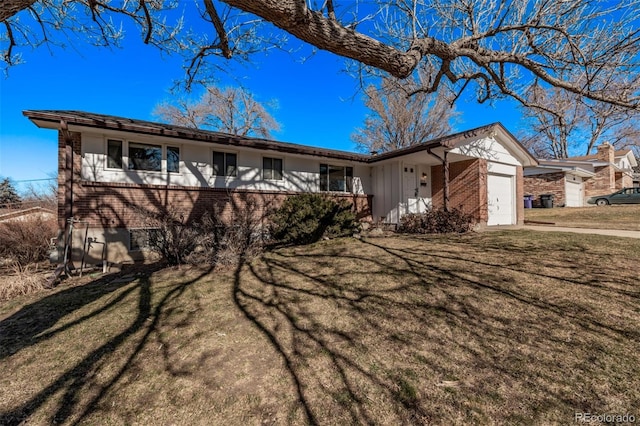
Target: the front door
pixel 410 188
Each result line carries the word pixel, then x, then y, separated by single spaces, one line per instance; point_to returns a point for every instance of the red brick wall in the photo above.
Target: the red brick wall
pixel 118 205
pixel 623 180
pixel 604 182
pixel 467 187
pixel 519 196
pixel 548 183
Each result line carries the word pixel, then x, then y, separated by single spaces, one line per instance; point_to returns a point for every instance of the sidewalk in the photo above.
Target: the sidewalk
pixel 610 232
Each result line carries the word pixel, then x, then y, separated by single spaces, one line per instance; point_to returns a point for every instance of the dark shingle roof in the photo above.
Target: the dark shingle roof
pixel 102 121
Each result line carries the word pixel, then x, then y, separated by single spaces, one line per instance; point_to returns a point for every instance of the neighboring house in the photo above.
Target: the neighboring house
pixel 26 214
pixel 573 180
pixel 113 171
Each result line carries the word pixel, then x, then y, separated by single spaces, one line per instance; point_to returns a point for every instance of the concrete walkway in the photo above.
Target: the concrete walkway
pixel 610 232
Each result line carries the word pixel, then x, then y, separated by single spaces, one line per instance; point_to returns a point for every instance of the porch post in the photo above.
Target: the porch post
pixel 445 181
pixel 68 180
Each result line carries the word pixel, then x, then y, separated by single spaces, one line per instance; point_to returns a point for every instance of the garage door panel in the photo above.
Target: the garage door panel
pixel 500 200
pixel 574 191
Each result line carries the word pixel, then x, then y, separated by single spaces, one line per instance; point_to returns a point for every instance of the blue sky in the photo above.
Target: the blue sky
pixel 319 104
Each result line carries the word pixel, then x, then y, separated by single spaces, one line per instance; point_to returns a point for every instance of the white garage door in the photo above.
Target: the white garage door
pixel 574 191
pixel 500 200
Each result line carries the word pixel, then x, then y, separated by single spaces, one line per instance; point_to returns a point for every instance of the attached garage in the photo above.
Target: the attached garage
pixel 565 182
pixel 483 170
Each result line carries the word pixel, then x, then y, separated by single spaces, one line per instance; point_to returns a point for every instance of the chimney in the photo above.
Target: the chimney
pixel 606 153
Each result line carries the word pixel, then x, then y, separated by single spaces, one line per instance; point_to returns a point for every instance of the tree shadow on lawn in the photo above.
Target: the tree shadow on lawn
pixel 397 330
pixel 419 333
pixel 32 325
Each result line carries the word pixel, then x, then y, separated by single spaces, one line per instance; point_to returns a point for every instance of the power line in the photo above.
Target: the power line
pixel 33 180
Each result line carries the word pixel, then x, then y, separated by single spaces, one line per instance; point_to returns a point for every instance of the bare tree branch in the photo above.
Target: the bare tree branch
pixel 501 48
pixel 401 116
pixel 231 110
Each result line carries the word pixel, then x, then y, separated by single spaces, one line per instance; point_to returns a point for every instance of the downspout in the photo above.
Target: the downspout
pixel 445 176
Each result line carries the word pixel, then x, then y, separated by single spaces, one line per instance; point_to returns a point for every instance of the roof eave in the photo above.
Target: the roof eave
pixel 52 120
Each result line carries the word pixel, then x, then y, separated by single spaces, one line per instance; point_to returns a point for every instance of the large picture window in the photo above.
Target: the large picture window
pixel 336 178
pixel 225 164
pixel 272 168
pixel 145 157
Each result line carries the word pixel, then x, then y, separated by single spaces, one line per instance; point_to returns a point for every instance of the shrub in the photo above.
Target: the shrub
pixel 436 221
pixel 225 243
pixel 169 235
pixel 306 218
pixel 209 240
pixel 27 241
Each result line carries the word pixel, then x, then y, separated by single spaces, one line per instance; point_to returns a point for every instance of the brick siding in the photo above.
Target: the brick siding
pixel 467 187
pixel 519 195
pixel 623 180
pixel 548 183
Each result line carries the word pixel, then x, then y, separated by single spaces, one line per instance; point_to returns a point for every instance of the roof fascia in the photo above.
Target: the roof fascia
pixel 52 120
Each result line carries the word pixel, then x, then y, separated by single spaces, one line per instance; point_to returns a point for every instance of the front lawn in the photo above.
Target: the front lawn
pixel 508 327
pixel 605 217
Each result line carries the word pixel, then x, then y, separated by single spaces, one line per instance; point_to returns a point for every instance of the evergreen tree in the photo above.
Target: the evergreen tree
pixel 8 195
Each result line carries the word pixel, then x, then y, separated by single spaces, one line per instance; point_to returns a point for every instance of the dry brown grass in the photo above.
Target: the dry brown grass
pixel 17 280
pixel 495 328
pixel 606 217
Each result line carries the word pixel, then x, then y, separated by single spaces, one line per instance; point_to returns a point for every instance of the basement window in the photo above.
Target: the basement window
pixel 140 239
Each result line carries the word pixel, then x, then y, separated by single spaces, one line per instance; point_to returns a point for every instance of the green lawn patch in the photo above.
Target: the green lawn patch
pixel 510 327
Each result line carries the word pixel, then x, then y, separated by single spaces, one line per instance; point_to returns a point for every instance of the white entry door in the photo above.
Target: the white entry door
pixel 500 200
pixel 410 188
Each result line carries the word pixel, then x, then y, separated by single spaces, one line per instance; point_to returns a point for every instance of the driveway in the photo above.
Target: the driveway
pixel 609 232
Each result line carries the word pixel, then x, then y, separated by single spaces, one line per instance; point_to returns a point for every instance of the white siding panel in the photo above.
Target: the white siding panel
pixel 301 174
pixel 487 148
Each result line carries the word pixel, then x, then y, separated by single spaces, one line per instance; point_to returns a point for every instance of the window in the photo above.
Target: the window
pixel 145 157
pixel 141 238
pixel 272 168
pixel 224 164
pixel 173 159
pixel 114 154
pixel 336 178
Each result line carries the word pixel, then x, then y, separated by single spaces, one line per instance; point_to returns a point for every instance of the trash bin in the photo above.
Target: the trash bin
pixel 546 200
pixel 528 201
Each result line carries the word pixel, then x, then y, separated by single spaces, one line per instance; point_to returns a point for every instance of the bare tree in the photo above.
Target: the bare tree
pixel 562 121
pixel 398 120
pixel 501 48
pixel 232 110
